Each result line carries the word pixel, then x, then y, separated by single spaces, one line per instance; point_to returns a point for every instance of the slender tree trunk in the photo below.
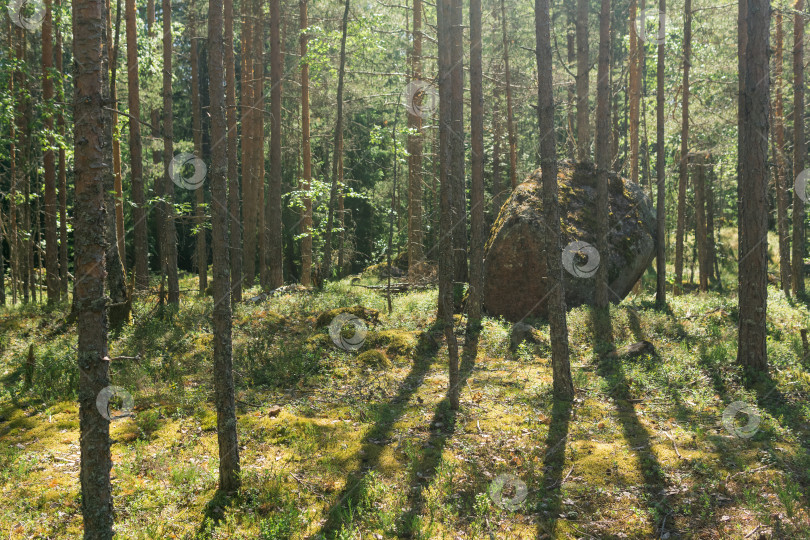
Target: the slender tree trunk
pixel 327 257
pixel 752 195
pixel 150 17
pixel 136 150
pixel 601 299
pixel 498 191
pixel 197 129
pixel 684 159
pixel 306 151
pixel 583 67
pixel 451 162
pixel 415 136
pixel 259 36
pixel 90 248
pixel 710 246
pixel 510 119
pixel 62 174
pixel 660 171
pixel 2 261
pixel 51 245
pixel 799 149
pixel 21 126
pixel 119 306
pixel 112 52
pixel 234 199
pixel 229 469
pixel 169 233
pixel 477 164
pixel 778 139
pixel 274 224
pixel 700 222
pixel 571 88
pixel 13 241
pixel 248 148
pixel 635 89
pixel 563 385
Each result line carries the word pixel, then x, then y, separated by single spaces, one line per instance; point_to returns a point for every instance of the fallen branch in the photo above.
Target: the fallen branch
pixel 675 446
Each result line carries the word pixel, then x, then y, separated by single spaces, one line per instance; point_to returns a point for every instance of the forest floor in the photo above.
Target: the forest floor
pixel 364 445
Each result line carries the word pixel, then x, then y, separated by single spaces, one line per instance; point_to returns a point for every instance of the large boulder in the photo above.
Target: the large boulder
pixel 515 274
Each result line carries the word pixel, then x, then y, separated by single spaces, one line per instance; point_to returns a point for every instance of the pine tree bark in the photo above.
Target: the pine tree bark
pixel 234 199
pixel 90 249
pixel 169 233
pixel 306 153
pixel 119 306
pixel 197 129
pixel 51 245
pixel 563 386
pixel 601 297
pixel 753 205
pixel 415 136
pixel 13 240
pixel 583 67
pixel 112 53
pixel 62 174
pixel 274 224
pixel 250 216
pixel 684 159
pixel 139 214
pixel 229 468
pixel 780 176
pixel 660 171
pixel 700 222
pixel 571 87
pixel 635 89
pixel 510 119
pixel 477 165
pixel 327 257
pixel 451 165
pixel 799 149
pixel 259 36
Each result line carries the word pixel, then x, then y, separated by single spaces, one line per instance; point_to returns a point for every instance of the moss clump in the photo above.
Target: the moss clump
pixel 273 319
pixel 396 342
pixel 374 358
pixel 367 314
pixel 318 341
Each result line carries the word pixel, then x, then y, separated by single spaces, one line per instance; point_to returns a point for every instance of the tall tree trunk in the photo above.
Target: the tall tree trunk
pixel 327 257
pixel 683 173
pixel 2 260
pixel 259 37
pixel 799 149
pixel 563 385
pixel 119 306
pixel 197 129
pixel 634 59
pixel 498 191
pixel 274 224
pixel 477 165
pixel 169 233
pixel 90 248
pixel 248 148
pixel 139 214
pixel 13 241
pixel 229 469
pixel 112 53
pixel 234 199
pixel 150 17
pixel 21 127
pixel 510 119
pixel 700 222
pixel 62 174
pixel 583 67
pixel 415 135
pixel 603 160
pixel 778 139
pixel 51 245
pixel 571 87
pixel 306 151
pixel 660 171
pixel 451 162
pixel 752 190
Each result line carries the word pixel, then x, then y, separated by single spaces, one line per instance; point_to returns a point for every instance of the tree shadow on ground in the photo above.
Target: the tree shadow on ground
pixel 549 501
pixel 636 435
pixel 372 444
pixel 442 426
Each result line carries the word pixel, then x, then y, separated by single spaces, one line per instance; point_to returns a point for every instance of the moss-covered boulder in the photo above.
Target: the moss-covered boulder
pixel 515 268
pixel 374 359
